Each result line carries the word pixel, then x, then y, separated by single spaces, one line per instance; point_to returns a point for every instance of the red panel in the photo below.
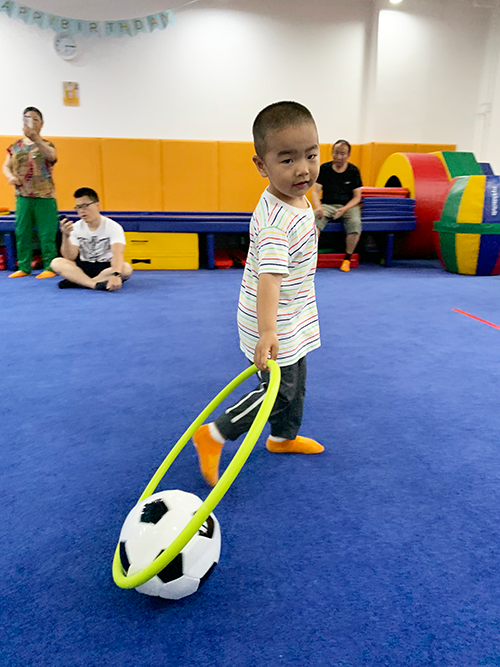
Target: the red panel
pixel 431 189
pixel 334 260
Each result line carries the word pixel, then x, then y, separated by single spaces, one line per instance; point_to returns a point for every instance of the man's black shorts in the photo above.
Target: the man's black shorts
pixel 92 269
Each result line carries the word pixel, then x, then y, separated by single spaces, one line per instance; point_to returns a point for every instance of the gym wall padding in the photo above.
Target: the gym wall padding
pixel 132 175
pixel 240 184
pixel 84 156
pixel 190 175
pixel 7 198
pixel 174 175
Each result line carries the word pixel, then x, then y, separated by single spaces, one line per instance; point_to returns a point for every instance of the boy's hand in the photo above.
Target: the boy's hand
pixel 266 348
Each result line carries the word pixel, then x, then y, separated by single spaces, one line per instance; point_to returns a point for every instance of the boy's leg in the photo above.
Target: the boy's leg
pixel 209 439
pixel 47 224
pixel 285 420
pixel 25 222
pixel 286 416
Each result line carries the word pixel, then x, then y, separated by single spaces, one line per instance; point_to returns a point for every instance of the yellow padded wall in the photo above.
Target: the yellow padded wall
pixel 78 165
pixel 7 197
pixel 132 176
pixel 189 175
pixel 373 156
pixel 240 184
pixel 434 148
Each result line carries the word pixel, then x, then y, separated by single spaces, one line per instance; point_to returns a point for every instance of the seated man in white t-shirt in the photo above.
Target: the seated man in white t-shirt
pixel 92 248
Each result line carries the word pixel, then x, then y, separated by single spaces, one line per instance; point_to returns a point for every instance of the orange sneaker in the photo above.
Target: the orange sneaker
pixel 18 274
pixel 45 274
pixel 300 445
pixel 209 451
pixel 346 265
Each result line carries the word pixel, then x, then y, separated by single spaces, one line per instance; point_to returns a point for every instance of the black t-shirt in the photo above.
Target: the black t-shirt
pixel 338 188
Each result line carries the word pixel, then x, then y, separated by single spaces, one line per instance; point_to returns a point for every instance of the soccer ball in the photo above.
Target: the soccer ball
pixel 151 526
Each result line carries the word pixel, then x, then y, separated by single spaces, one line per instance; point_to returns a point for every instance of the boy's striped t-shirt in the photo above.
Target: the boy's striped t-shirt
pixel 282 240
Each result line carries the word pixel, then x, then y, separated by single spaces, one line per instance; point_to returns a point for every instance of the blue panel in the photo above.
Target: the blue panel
pixel 489 249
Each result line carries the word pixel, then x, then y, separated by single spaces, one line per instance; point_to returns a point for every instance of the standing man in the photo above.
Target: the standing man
pixel 92 248
pixel 336 196
pixel 28 167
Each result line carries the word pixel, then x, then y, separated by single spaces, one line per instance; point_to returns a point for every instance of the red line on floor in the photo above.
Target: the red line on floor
pixel 495 326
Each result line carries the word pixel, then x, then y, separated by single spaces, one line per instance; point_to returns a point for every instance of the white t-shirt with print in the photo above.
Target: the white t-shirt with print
pixel 95 246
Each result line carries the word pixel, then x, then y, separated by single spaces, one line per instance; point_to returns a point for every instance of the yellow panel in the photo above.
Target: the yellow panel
pixel 164 263
pixel 366 162
pixel 325 153
pixel 374 158
pixel 356 156
pixel 161 251
pixel 240 184
pixel 434 148
pixel 467 250
pixel 78 166
pixel 397 165
pixel 472 202
pixel 7 196
pixel 132 174
pixel 189 175
pixel 439 154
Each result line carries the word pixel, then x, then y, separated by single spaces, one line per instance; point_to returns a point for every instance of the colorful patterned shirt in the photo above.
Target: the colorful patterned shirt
pixel 282 240
pixel 32 169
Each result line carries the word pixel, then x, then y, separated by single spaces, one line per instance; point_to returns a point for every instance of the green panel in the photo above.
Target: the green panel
pixel 467 227
pixel 462 164
pixel 448 251
pixel 453 200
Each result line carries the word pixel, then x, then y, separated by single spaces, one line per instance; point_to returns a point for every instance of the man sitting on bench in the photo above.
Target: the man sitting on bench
pixel 336 196
pixel 92 248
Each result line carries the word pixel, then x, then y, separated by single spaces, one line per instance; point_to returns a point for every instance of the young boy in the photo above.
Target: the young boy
pixel 277 314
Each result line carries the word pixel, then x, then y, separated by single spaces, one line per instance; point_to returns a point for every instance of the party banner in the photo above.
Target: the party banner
pixel 47 21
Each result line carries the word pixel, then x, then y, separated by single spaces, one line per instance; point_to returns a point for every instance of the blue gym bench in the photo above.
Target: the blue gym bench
pixel 209 224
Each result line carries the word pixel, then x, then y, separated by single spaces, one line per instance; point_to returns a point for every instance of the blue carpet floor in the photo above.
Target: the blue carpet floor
pixel 381 551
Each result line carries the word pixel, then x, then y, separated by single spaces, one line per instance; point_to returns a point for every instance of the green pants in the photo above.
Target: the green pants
pixel 41 213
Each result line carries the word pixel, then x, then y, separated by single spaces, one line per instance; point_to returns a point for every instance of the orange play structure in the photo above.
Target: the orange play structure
pixel 175 175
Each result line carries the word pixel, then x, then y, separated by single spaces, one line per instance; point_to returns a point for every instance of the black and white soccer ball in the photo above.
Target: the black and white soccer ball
pixel 151 526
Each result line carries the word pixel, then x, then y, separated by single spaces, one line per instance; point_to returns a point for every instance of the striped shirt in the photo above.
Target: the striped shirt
pixel 282 240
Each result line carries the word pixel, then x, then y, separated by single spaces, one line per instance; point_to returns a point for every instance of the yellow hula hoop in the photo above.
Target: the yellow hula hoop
pixel 237 462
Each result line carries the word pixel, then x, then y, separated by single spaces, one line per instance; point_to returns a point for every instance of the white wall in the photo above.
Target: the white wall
pixel 208 75
pixel 205 77
pixel 431 56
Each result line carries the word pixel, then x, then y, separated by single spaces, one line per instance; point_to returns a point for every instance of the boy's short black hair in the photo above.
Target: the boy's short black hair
pixel 86 192
pixel 35 110
pixel 342 141
pixel 276 117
